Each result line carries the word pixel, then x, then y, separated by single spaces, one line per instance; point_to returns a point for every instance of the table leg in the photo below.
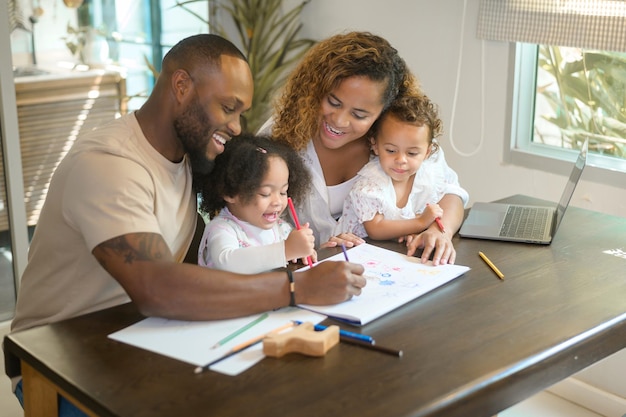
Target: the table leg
pixel 40 395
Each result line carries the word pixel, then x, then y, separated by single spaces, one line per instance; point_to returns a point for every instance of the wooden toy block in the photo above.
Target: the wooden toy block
pixel 303 339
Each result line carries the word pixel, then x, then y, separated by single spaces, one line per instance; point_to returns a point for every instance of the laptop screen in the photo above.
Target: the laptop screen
pixel 571 184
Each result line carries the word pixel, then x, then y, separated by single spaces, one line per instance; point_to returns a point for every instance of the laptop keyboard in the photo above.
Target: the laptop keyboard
pixel 525 222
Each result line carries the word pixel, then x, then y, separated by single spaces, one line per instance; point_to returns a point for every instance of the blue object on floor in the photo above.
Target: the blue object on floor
pixel 66 408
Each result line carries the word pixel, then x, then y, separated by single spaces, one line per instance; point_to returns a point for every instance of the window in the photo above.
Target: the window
pixel 138 33
pixel 568 92
pixel 563 95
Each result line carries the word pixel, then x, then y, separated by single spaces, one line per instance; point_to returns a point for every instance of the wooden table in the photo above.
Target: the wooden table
pixel 471 348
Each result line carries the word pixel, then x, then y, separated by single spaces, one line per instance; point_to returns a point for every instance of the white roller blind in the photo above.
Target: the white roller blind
pixel 588 24
pixel 16 16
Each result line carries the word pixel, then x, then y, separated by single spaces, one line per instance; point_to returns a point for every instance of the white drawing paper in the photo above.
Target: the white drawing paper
pixel 393 279
pixel 192 341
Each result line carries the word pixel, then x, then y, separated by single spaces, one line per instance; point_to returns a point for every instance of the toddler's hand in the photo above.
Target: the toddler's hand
pixel 431 212
pixel 300 244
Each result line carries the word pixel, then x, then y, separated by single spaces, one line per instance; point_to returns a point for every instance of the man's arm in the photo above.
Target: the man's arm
pixel 144 266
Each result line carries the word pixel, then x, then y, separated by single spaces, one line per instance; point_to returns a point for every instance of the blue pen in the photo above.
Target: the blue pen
pixel 345 334
pixel 345 252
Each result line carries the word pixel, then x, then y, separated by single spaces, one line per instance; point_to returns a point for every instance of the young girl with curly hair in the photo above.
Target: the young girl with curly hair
pixel 245 196
pixel 396 193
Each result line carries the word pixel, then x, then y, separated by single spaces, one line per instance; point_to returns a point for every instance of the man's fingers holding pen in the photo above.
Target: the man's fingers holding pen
pixel 356 279
pixel 330 283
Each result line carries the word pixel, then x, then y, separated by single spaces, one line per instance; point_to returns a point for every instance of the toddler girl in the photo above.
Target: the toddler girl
pixel 245 197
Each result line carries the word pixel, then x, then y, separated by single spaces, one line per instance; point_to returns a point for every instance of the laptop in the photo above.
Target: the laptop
pixel 522 223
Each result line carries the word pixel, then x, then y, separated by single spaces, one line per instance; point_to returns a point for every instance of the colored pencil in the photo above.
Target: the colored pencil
pixel 344 334
pixel 440 224
pixel 240 330
pixel 345 252
pixel 242 346
pixel 294 216
pixel 491 265
pixel 373 346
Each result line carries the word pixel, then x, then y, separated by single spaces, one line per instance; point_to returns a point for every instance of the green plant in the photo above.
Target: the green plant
pixel 268 36
pixel 76 40
pixel 79 39
pixel 587 94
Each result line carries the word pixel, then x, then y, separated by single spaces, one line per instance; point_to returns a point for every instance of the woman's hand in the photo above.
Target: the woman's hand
pixel 348 239
pixel 429 239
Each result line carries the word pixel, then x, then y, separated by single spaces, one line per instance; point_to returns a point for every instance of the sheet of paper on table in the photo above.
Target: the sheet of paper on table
pixel 192 341
pixel 393 279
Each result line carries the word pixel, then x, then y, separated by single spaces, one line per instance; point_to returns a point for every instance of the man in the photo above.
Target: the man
pixel 120 212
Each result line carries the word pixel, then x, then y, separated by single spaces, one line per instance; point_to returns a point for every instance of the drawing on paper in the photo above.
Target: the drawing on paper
pixel 392 280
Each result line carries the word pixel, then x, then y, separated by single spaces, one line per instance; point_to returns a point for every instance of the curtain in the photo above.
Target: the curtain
pixel 588 24
pixel 16 16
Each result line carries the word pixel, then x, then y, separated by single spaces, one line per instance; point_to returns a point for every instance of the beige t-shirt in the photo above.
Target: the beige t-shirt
pixel 111 183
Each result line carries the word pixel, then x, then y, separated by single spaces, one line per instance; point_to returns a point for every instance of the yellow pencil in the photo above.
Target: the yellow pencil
pixel 257 339
pixel 491 265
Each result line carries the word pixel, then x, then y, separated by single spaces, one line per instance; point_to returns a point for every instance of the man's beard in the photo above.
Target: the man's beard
pixel 200 164
pixel 191 130
pixel 201 177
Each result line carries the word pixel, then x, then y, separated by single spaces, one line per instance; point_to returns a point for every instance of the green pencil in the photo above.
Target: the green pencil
pixel 241 330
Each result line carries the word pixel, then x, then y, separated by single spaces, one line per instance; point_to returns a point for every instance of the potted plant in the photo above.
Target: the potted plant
pixel 86 44
pixel 585 89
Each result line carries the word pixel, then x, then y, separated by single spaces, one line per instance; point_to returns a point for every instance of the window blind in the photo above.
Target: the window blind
pixel 588 24
pixel 16 16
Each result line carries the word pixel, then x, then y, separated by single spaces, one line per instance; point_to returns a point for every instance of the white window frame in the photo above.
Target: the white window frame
pixel 522 151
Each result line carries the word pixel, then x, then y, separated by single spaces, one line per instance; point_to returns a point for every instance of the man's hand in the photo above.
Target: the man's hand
pixel 329 283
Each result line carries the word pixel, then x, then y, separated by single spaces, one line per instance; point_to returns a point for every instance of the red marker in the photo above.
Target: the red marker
pixel 292 209
pixel 438 220
pixel 439 223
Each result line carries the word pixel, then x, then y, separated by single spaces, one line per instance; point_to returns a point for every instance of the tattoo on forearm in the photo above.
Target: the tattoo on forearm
pixel 143 247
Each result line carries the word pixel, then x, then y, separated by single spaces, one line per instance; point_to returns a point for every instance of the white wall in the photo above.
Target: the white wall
pixel 434 37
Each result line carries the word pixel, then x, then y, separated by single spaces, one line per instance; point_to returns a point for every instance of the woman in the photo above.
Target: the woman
pixel 328 105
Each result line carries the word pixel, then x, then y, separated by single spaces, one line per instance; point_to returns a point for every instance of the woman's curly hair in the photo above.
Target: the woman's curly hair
pixel 415 109
pixel 323 68
pixel 240 169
